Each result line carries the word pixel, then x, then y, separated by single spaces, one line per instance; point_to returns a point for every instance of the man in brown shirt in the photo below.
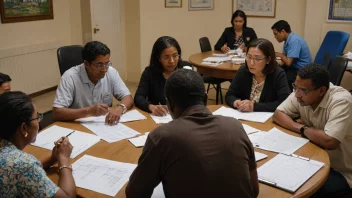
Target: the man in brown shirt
pixel 197 154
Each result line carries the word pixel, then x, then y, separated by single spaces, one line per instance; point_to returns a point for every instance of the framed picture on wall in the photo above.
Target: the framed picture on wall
pixel 200 4
pixel 25 10
pixel 173 3
pixel 255 8
pixel 340 11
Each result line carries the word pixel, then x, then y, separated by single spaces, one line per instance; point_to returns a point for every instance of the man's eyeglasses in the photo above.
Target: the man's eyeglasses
pixel 255 60
pixel 300 90
pixel 167 58
pixel 102 65
pixel 39 118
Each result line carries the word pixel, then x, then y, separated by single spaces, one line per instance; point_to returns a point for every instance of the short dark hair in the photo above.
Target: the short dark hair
pixel 4 78
pixel 268 50
pixel 185 88
pixel 159 46
pixel 15 108
pixel 239 13
pixel 93 49
pixel 281 25
pixel 317 73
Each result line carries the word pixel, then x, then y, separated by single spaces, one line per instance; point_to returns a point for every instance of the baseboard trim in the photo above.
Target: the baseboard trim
pixel 32 95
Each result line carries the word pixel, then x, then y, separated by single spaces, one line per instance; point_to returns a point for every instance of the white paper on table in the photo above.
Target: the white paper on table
pixel 211 64
pixel 217 59
pixel 46 139
pixel 277 141
pixel 129 116
pixel 101 175
pixel 259 156
pixel 140 140
pixel 220 55
pixel 288 172
pixel 161 119
pixel 249 116
pixel 250 129
pixel 111 133
pixel 158 191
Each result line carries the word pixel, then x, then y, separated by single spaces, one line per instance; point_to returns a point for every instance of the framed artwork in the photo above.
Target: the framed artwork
pixel 173 3
pixel 25 10
pixel 200 4
pixel 255 8
pixel 340 11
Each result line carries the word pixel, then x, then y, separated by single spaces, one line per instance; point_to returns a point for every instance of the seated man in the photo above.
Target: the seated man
pixel 5 85
pixel 87 89
pixel 197 154
pixel 323 114
pixel 296 53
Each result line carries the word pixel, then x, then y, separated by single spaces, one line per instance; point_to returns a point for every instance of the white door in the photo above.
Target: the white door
pixel 105 15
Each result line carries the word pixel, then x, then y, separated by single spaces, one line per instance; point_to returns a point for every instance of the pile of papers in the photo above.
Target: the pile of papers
pixel 249 116
pixel 129 116
pixel 214 61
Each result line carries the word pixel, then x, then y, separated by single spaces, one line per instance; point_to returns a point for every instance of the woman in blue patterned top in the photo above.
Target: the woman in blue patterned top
pixel 21 174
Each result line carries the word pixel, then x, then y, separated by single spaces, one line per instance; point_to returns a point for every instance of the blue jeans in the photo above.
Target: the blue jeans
pixel 335 186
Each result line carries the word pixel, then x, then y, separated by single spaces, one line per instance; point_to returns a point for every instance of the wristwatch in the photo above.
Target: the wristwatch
pixel 124 108
pixel 301 130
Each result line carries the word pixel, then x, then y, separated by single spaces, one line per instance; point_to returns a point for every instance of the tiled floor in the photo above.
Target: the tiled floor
pixel 44 102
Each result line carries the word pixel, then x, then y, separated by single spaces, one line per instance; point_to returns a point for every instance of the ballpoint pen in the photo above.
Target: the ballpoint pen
pixel 66 136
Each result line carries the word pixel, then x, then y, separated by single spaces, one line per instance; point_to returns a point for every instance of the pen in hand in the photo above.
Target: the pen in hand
pixel 66 136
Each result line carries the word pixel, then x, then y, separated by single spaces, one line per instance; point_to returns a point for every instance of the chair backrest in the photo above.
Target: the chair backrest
pixel 204 44
pixel 327 60
pixel 69 56
pixel 334 43
pixel 337 69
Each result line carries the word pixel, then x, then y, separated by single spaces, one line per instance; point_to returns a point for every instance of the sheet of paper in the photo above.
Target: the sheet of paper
pixel 287 172
pixel 211 64
pixel 161 119
pixel 129 116
pixel 140 140
pixel 250 129
pixel 249 116
pixel 259 156
pixel 111 133
pixel 277 141
pixel 220 55
pixel 158 191
pixel 217 59
pixel 101 175
pixel 46 139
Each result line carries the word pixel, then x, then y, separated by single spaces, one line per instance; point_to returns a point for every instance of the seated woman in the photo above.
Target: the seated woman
pixel 259 85
pixel 237 36
pixel 165 58
pixel 21 174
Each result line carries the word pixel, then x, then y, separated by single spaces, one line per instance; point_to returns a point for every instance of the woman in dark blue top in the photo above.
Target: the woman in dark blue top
pixel 165 58
pixel 237 36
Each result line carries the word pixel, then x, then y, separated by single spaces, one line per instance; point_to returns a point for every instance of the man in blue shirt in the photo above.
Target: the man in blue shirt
pixel 296 53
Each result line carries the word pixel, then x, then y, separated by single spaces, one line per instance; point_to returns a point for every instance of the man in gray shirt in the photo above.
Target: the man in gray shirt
pixel 87 89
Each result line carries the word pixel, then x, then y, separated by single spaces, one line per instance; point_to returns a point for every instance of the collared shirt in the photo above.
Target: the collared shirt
pixel 334 116
pixel 297 48
pixel 196 155
pixel 76 90
pixel 21 175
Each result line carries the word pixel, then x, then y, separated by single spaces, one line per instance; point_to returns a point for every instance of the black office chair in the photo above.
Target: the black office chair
pixel 337 69
pixel 69 56
pixel 327 60
pixel 215 82
pixel 47 120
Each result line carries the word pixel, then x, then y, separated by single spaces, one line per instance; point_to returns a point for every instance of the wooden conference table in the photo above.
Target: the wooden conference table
pixel 225 70
pixel 124 151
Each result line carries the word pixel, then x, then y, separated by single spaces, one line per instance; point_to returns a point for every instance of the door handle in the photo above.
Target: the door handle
pixel 96 30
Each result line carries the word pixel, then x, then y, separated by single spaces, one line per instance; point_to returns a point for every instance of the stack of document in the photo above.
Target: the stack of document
pixel 214 61
pixel 111 133
pixel 46 139
pixel 140 140
pixel 288 172
pixel 277 141
pixel 161 119
pixel 129 116
pixel 249 116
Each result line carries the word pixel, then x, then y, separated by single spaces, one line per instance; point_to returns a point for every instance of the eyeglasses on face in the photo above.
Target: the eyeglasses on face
pixel 39 117
pixel 167 58
pixel 255 60
pixel 301 91
pixel 102 65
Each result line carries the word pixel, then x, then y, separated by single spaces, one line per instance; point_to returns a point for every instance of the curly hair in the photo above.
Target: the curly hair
pixel 317 73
